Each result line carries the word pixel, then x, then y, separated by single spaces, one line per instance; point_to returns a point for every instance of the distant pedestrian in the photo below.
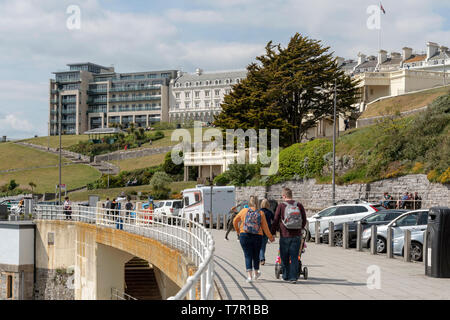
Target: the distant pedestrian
pixel 290 219
pixel 128 208
pixel 404 200
pixel 268 213
pixel 107 205
pixel 67 208
pixel 417 201
pixel 347 124
pixel 253 225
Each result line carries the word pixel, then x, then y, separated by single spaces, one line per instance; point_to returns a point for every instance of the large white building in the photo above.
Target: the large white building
pixel 198 96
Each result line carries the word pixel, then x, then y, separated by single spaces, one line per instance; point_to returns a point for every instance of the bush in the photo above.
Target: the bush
pixel 240 174
pixel 171 168
pixel 304 159
pixel 222 180
pixel 445 177
pixel 160 181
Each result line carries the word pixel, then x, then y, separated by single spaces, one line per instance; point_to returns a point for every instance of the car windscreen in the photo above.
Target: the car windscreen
pixel 327 212
pixel 408 220
pixel 377 217
pixel 178 204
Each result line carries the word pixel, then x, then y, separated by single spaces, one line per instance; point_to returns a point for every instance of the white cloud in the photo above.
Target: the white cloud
pixel 194 16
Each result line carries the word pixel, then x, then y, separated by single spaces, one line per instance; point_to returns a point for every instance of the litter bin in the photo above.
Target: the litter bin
pixel 437 257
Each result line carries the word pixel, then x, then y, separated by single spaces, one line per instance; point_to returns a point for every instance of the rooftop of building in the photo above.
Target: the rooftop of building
pixel 214 75
pixel 416 58
pixel 392 61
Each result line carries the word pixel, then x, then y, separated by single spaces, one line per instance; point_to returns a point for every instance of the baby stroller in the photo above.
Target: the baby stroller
pixel 301 270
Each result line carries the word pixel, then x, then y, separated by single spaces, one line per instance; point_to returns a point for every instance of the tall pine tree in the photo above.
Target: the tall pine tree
pixel 281 91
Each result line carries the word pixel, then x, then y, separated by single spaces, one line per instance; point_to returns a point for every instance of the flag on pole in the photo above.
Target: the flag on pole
pixel 382 9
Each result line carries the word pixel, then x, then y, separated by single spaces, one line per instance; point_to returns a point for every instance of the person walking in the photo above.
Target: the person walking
pixel 233 213
pixel 265 208
pixel 128 208
pixel 290 219
pixel 108 206
pixel 253 225
pixel 67 208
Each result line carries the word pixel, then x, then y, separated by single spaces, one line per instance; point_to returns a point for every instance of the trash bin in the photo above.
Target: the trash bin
pixel 437 257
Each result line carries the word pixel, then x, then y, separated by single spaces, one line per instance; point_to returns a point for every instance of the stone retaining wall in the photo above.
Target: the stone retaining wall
pixel 318 196
pixel 53 285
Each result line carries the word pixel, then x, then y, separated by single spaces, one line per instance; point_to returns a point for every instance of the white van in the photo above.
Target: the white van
pixel 198 201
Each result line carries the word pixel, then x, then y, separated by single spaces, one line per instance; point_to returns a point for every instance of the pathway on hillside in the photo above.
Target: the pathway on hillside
pixel 103 166
pixel 334 273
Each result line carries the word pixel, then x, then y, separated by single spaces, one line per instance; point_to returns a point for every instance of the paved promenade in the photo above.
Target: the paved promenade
pixel 334 273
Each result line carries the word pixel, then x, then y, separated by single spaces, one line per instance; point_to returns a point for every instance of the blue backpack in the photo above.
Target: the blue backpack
pixel 252 223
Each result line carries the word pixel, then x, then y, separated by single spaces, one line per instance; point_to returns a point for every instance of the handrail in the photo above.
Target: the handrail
pixel 184 234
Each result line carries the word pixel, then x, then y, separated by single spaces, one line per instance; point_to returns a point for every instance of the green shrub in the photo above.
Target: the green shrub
pixel 304 159
pixel 221 180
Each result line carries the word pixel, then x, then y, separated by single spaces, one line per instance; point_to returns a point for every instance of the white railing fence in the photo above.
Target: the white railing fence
pixel 183 234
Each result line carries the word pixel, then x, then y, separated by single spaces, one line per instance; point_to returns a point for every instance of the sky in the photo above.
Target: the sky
pixel 144 35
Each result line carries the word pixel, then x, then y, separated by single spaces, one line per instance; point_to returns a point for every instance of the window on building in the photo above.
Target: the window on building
pixel 151 76
pixel 207 104
pixel 206 93
pixel 177 106
pixel 238 80
pixel 217 104
pixel 197 94
pixel 9 287
pixel 227 91
pixel 207 82
pixel 177 95
pixel 165 75
pixel 186 94
pixel 217 92
pixel 187 104
pixel 197 104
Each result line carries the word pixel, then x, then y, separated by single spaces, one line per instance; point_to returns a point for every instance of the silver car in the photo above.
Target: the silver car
pixel 416 245
pixel 413 220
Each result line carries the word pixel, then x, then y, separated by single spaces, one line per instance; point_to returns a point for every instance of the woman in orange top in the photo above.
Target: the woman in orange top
pixel 250 237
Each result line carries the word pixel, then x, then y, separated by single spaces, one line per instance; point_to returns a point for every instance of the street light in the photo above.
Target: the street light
pixel 334 139
pixel 59 132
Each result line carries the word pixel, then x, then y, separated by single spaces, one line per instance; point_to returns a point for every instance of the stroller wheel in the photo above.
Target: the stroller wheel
pixel 305 273
pixel 277 271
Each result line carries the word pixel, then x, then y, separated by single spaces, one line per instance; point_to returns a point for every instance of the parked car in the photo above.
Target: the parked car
pixel 9 203
pixel 381 217
pixel 416 245
pixel 168 207
pixel 415 220
pixel 338 214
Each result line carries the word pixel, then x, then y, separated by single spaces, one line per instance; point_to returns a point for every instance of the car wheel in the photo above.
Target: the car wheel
pixel 416 251
pixel 381 245
pixel 338 240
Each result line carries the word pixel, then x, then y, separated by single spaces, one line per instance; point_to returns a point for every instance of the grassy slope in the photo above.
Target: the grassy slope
pixel 13 156
pixel 403 103
pixel 139 163
pixel 114 192
pixel 73 176
pixel 66 140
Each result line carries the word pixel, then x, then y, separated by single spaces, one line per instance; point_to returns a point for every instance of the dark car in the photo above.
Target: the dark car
pixel 381 217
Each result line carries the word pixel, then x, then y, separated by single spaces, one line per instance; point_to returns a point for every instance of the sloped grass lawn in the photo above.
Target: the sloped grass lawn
pixel 74 176
pixel 13 156
pixel 139 163
pixel 66 140
pixel 404 103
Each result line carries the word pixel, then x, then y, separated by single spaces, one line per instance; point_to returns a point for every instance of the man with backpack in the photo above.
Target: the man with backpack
pixel 290 220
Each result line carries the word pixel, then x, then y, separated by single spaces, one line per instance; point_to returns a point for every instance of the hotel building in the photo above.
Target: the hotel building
pixel 199 96
pixel 91 96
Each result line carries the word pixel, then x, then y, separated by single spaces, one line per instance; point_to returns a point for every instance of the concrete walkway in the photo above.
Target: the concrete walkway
pixel 334 273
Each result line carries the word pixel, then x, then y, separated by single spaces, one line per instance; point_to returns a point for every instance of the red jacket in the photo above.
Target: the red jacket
pixel 278 225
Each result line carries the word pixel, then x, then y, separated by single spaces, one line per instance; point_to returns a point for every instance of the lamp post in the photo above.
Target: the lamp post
pixel 59 132
pixel 334 141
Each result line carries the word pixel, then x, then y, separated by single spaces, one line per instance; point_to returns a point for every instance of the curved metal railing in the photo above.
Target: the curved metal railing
pixel 183 234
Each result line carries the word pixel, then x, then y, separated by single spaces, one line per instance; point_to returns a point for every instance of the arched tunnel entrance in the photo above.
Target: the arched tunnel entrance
pixel 140 280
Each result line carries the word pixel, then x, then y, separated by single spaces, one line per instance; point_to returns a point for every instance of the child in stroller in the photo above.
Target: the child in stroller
pixel 301 270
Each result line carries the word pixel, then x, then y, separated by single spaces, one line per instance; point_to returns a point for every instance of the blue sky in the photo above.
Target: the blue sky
pixel 137 35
